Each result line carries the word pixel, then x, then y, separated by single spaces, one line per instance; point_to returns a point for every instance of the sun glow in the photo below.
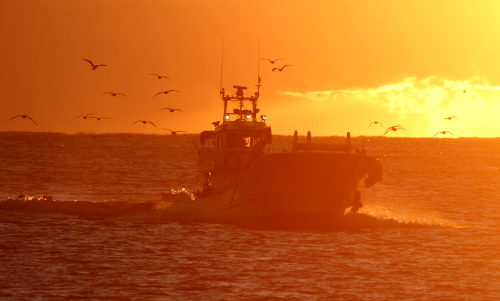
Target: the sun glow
pixel 426 101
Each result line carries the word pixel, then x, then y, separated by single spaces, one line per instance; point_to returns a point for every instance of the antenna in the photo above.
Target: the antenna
pixel 221 63
pixel 258 67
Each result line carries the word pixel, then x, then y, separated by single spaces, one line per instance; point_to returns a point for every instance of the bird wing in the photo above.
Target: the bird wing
pixel 89 62
pixel 455 117
pixel 15 117
pixel 151 123
pixel 159 93
pixel 32 120
pixel 164 109
pixel 121 94
pixel 451 134
pixel 275 69
pixel 153 74
pixel 436 134
pixel 179 110
pixel 369 125
pixel 167 129
pixel 137 121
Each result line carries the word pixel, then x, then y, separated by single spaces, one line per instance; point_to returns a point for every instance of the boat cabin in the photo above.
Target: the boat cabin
pixel 235 143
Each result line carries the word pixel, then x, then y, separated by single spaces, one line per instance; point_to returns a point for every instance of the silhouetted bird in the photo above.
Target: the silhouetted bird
pixel 144 122
pixel 465 91
pixel 216 123
pixel 173 132
pixel 93 66
pixel 171 110
pixel 271 61
pixel 376 122
pixel 159 76
pixel 24 116
pixel 394 128
pixel 114 94
pixel 443 132
pixel 99 118
pixel 84 116
pixel 449 118
pixel 165 92
pixel 280 69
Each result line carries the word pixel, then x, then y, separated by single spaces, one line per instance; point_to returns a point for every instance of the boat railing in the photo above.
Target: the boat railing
pixel 325 147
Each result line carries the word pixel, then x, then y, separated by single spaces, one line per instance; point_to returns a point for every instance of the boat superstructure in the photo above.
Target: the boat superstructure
pixel 228 151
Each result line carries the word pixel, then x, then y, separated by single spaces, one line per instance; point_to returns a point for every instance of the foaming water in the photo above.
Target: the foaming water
pixel 428 231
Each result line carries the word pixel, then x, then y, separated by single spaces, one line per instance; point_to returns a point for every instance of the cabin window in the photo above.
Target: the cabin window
pixel 232 140
pixel 245 141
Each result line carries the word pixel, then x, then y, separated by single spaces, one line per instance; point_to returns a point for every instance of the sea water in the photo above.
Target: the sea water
pixel 429 231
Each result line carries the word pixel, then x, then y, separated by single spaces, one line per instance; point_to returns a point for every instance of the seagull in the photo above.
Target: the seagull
pixel 449 118
pixel 443 132
pixel 24 116
pixel 281 69
pixel 376 122
pixel 394 128
pixel 94 66
pixel 84 116
pixel 165 92
pixel 271 61
pixel 99 118
pixel 159 76
pixel 171 110
pixel 173 132
pixel 144 122
pixel 114 94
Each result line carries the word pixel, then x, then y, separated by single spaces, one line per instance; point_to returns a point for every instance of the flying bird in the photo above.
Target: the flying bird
pixel 165 92
pixel 172 110
pixel 24 116
pixel 449 118
pixel 376 122
pixel 144 122
pixel 281 69
pixel 99 118
pixel 93 66
pixel 271 61
pixel 84 116
pixel 114 94
pixel 443 132
pixel 159 76
pixel 394 128
pixel 173 132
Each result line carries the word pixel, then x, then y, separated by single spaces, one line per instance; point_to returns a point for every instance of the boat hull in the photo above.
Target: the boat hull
pixel 283 190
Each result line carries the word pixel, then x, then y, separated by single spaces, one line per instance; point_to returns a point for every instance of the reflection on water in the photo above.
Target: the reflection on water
pixel 429 231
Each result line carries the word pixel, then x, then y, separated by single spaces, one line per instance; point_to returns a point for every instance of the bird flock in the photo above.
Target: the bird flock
pixel 115 94
pixel 398 127
pixel 171 110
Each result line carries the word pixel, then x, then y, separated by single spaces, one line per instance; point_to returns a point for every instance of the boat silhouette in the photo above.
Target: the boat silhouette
pixel 244 185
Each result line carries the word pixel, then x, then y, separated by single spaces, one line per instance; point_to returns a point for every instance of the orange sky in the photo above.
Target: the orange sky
pixel 353 62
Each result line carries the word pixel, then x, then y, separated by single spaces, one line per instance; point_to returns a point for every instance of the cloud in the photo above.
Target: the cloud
pixel 411 95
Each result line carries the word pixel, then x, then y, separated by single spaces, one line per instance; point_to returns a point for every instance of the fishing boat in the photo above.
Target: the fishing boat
pixel 244 184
